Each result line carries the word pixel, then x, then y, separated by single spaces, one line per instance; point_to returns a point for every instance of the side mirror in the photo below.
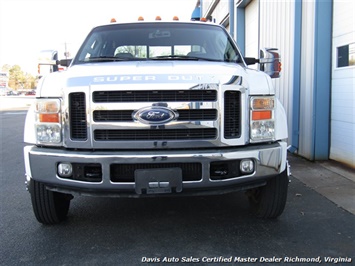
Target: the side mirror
pixel 251 60
pixel 48 62
pixel 270 62
pixel 64 62
pixel 48 57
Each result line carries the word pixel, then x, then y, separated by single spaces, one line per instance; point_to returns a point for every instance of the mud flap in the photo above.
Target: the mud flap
pixel 158 181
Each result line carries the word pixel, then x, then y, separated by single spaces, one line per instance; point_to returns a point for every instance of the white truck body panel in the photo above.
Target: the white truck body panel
pixel 121 121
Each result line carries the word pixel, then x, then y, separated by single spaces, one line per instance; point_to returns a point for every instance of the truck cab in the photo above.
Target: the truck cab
pixel 153 109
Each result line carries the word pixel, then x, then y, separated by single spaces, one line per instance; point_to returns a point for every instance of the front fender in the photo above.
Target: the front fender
pixel 51 85
pixel 281 131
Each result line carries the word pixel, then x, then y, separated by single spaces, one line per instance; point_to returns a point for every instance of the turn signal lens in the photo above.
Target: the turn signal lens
pixel 262 123
pixel 47 106
pixel 48 121
pixel 261 115
pixel 49 118
pixel 263 103
pixel 48 110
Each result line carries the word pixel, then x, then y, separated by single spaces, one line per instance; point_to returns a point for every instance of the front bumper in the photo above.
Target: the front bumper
pixel 269 160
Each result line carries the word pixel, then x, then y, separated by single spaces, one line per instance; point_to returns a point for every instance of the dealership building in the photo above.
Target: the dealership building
pixel 316 40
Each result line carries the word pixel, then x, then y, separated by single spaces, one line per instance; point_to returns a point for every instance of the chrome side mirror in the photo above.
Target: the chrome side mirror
pixel 270 62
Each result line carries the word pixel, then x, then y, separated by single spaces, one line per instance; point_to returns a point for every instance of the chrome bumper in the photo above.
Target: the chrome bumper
pixel 41 165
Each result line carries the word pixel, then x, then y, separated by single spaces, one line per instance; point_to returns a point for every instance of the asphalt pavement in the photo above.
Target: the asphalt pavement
pixel 14 103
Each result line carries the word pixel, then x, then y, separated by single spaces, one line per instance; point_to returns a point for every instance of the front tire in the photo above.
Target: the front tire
pixel 269 201
pixel 49 207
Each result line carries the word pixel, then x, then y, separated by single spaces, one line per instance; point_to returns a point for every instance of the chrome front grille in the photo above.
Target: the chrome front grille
pixel 77 115
pixel 232 114
pixel 106 118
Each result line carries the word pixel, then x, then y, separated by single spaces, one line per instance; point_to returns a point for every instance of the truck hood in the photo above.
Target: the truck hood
pixel 156 73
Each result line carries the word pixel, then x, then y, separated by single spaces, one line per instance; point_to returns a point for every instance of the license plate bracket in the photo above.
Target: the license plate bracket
pixel 158 181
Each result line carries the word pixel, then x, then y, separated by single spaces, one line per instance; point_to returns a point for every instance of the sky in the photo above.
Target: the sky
pixel 29 26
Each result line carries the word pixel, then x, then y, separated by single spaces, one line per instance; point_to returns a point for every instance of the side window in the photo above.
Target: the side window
pixel 346 55
pixel 230 54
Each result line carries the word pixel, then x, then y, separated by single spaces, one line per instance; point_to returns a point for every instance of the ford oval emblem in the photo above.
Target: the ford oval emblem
pixel 155 115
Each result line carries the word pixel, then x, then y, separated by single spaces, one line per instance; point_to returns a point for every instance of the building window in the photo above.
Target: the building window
pixel 346 55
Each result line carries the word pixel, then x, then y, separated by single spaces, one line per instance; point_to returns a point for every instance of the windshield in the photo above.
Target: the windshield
pixel 157 41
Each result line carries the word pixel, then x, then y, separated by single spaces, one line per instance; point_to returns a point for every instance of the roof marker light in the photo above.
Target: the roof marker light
pixel 158 18
pixel 113 20
pixel 140 18
pixel 176 18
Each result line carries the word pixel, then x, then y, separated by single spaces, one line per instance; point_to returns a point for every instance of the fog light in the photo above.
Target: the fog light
pixel 65 169
pixel 247 166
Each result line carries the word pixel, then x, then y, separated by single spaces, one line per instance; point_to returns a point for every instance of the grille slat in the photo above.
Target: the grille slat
pixel 77 114
pixel 125 172
pixel 197 115
pixel 232 114
pixel 126 115
pixel 155 96
pixel 113 116
pixel 155 134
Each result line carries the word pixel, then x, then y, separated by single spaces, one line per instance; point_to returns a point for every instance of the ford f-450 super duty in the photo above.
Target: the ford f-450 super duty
pixel 153 109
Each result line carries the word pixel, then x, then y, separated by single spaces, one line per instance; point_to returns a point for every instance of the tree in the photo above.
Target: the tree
pixel 18 79
pixel 5 68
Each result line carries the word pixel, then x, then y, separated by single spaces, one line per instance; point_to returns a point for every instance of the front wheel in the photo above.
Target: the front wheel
pixel 269 201
pixel 49 207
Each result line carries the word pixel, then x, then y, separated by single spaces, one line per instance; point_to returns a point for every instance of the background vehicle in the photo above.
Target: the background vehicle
pixel 157 109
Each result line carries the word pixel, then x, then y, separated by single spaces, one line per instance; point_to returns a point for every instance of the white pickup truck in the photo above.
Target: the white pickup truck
pixel 153 109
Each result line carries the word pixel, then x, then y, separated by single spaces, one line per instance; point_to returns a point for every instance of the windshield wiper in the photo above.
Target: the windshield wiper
pixel 182 57
pixel 109 59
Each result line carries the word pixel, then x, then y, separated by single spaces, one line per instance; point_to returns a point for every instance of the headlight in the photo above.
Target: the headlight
pixel 262 123
pixel 48 121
